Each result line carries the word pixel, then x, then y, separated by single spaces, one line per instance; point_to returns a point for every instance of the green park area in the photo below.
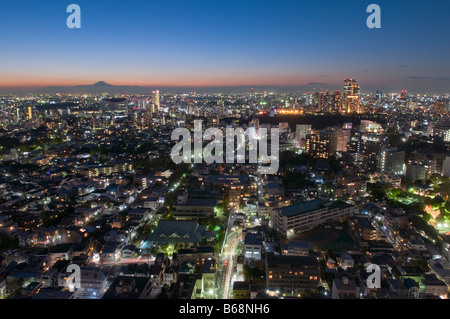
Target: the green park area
pixel 426 203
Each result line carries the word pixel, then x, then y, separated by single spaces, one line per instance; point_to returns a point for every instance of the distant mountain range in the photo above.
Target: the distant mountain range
pixel 99 87
pixel 103 87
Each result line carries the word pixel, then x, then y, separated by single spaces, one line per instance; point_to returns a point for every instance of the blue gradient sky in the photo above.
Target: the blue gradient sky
pixel 226 43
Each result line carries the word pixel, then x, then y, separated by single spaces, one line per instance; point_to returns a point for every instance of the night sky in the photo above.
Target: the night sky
pixel 302 43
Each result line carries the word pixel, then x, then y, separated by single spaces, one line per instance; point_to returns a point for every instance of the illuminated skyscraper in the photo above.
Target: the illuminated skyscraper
pixel 325 102
pixel 317 97
pixel 352 105
pixel 29 113
pixel 221 104
pixel 404 95
pixel 309 99
pixel 336 102
pixel 156 101
pixel 350 97
pixel 141 104
pixel 350 87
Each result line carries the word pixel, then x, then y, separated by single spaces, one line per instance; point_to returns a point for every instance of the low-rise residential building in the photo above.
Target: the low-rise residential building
pixel 139 215
pixel 344 288
pixel 292 274
pixel 253 246
pixel 296 248
pixel 196 255
pixel 434 286
pixel 299 218
pixel 241 290
pixel 129 288
pixel 364 228
pixel 195 209
pixel 205 287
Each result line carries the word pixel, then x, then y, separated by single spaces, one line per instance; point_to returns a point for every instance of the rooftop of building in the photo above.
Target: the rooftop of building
pixel 309 206
pixel 178 231
pixel 126 288
pixel 200 202
pixel 253 239
pixel 276 260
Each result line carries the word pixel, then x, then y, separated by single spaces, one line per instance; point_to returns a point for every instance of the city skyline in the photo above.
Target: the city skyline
pixel 230 44
pixel 126 197
pixel 248 151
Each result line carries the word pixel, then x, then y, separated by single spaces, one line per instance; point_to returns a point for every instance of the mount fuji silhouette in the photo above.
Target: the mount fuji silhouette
pixel 98 87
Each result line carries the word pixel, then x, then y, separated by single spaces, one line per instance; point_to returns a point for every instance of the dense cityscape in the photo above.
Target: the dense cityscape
pixel 87 179
pixel 212 158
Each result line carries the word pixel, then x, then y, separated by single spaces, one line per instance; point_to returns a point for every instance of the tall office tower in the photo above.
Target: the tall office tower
pixel 325 102
pixel 353 105
pixel 317 97
pixel 149 114
pixel 351 87
pixel 309 99
pixel 378 94
pixel 402 99
pixel 29 113
pixel 221 104
pixel 392 160
pixel 404 95
pixel 351 97
pixel 141 104
pixel 336 103
pixel 156 101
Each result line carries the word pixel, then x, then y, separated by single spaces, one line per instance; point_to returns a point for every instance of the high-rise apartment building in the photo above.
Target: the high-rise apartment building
pixel 301 131
pixel 336 103
pixel 309 99
pixel 325 102
pixel 392 160
pixel 318 145
pixel 342 138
